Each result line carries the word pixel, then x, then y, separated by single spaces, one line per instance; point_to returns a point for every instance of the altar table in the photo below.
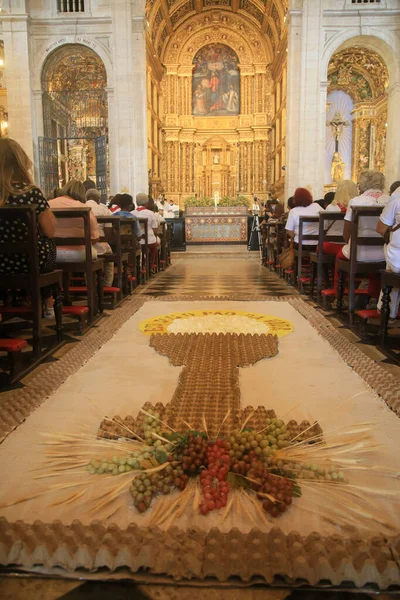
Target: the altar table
pixel 221 225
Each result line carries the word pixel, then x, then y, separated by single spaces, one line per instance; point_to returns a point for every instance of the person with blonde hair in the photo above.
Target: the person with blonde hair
pixel 72 195
pixel 371 186
pixel 17 189
pixel 345 191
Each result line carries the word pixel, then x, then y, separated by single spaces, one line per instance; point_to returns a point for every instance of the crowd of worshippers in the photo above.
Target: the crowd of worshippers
pixel 370 192
pixel 17 188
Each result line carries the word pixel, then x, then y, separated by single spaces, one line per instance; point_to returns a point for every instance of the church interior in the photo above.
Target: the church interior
pixel 199 299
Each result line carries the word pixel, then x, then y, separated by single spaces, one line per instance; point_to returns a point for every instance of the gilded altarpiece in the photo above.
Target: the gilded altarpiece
pixel 221 154
pixel 363 75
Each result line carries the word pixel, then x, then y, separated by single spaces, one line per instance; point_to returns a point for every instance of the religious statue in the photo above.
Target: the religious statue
pixel 337 168
pixel 216 158
pixel 337 124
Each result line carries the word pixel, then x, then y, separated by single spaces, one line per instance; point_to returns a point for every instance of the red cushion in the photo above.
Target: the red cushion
pixel 304 279
pixel 289 271
pixel 331 292
pixel 111 290
pixel 12 345
pixel 15 310
pixel 131 278
pixel 75 310
pixel 368 314
pixel 78 289
pixel 269 262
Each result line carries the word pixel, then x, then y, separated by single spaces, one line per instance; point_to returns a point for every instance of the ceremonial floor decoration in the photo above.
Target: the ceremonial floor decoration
pixel 208 473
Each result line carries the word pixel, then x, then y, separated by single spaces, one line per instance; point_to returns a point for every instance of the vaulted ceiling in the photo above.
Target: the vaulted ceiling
pixel 166 16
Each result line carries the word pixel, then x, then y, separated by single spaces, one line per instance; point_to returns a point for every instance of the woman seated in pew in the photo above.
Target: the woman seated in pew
pixel 93 198
pixel 345 191
pixel 72 195
pixel 16 189
pixel 371 186
pixel 303 207
pixel 389 224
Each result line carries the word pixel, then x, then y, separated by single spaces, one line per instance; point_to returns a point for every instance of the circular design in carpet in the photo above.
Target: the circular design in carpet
pixel 218 321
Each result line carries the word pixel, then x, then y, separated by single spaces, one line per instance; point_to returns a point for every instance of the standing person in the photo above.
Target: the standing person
pixel 93 198
pixel 16 188
pixel 371 186
pixel 143 212
pixel 303 207
pixel 389 223
pixel 72 195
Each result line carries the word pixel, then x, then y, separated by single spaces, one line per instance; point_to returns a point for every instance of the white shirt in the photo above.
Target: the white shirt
pixel 391 216
pixel 292 223
pixel 100 210
pixel 366 226
pixel 169 210
pixel 335 227
pixel 151 224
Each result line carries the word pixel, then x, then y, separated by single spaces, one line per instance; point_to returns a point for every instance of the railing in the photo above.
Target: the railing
pixel 70 6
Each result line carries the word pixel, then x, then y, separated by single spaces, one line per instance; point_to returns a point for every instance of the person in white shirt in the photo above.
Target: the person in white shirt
pixel 142 212
pixel 371 186
pixel 303 207
pixel 93 198
pixel 345 191
pixel 389 222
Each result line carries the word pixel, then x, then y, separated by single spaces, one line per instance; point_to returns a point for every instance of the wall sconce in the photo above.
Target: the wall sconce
pixel 1 62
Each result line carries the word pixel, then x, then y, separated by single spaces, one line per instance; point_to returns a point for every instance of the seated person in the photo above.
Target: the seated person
pixel 371 186
pixel 126 206
pixel 143 212
pixel 72 195
pixel 93 197
pixel 303 207
pixel 389 223
pixel 345 191
pixel 18 188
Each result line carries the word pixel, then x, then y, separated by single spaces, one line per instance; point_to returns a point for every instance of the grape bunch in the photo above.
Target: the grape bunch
pixel 119 464
pixel 151 425
pixel 280 491
pixel 192 453
pixel 213 480
pixel 263 445
pixel 148 485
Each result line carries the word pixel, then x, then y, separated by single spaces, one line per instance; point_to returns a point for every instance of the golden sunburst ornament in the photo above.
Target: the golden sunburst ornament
pixel 220 321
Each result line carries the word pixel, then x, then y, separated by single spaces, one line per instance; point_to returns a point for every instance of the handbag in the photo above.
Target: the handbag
pixel 286 257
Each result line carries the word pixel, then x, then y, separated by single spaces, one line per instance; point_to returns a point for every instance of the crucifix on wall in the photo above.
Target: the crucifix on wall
pixel 337 124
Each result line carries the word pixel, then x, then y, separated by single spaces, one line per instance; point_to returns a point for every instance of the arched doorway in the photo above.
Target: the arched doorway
pixel 75 119
pixel 357 104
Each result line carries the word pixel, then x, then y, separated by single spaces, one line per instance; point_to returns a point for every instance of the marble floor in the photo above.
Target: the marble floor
pixel 202 271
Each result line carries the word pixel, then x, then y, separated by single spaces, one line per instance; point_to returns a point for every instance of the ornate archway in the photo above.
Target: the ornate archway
pixel 75 118
pixel 361 75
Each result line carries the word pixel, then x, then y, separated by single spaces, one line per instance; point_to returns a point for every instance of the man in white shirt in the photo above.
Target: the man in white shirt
pixel 389 221
pixel 142 212
pixel 93 197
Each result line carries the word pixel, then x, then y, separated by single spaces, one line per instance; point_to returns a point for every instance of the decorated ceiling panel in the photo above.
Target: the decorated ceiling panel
pixel 165 16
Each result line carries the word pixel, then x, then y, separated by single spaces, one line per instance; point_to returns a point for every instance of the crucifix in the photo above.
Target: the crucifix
pixel 337 124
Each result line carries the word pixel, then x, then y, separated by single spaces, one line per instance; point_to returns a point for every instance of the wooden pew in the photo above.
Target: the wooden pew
pixel 389 280
pixel 119 257
pixel 352 267
pixel 33 281
pixel 320 261
pixel 301 254
pixel 92 268
pixel 130 244
pixel 145 264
